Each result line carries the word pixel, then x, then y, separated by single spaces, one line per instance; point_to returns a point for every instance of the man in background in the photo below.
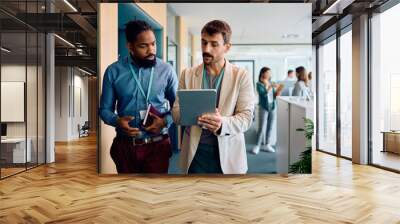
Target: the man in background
pixel 291 76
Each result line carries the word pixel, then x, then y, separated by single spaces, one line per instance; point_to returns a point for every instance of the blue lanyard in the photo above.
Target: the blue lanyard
pixel 140 85
pixel 206 84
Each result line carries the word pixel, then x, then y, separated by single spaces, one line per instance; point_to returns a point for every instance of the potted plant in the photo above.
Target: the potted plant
pixel 304 165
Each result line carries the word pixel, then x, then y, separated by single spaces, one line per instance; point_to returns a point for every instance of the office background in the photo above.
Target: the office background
pixel 178 27
pixel 22 77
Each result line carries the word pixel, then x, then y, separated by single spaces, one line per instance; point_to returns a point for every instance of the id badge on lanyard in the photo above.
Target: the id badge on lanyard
pixel 142 113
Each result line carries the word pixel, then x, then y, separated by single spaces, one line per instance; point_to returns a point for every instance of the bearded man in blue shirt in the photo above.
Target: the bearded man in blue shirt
pixel 136 97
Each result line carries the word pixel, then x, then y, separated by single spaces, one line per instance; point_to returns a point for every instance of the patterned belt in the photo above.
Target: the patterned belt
pixel 144 141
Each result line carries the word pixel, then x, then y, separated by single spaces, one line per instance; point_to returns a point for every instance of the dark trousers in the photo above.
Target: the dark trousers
pixel 206 160
pixel 148 158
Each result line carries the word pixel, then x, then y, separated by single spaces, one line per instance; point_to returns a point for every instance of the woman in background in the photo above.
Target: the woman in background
pixel 301 87
pixel 267 92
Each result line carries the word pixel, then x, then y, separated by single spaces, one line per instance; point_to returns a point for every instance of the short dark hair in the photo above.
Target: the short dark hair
pixel 134 27
pixel 218 26
pixel 262 71
pixel 290 71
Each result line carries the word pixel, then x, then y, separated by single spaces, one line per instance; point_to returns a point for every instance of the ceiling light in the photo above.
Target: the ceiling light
pixel 5 50
pixel 331 7
pixel 337 7
pixel 70 5
pixel 80 51
pixel 65 41
pixel 84 71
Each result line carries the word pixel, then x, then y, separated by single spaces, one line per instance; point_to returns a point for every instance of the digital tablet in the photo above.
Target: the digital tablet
pixel 195 102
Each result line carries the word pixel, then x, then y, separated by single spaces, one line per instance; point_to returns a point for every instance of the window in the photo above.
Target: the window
pixel 22 66
pixel 385 89
pixel 327 97
pixel 346 94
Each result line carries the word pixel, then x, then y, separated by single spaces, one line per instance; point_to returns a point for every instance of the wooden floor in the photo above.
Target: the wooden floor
pixel 8 171
pixel 387 159
pixel 70 191
pixel 5 172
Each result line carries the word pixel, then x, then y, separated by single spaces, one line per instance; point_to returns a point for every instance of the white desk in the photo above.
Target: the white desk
pixel 15 148
pixel 290 142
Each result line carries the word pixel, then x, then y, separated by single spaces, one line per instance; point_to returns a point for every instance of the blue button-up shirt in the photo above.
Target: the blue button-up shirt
pixel 122 97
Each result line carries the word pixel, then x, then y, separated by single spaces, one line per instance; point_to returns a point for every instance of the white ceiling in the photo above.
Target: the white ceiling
pixel 261 23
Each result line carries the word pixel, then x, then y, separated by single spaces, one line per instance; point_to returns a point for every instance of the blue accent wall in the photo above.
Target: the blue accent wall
pixel 130 11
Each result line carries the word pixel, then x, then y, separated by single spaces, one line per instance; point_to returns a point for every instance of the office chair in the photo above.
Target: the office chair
pixel 84 130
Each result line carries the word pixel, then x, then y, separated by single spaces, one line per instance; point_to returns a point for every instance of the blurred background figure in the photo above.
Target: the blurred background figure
pixel 288 83
pixel 267 92
pixel 291 76
pixel 301 87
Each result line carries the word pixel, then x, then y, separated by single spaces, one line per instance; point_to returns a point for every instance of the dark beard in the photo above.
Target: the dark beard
pixel 144 63
pixel 206 54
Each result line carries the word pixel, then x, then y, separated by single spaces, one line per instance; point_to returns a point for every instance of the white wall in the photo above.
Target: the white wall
pixel 33 127
pixel 252 22
pixel 16 72
pixel 67 115
pixel 61 103
pixel 80 83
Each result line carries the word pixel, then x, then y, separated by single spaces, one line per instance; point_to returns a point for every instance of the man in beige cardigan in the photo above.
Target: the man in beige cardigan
pixel 217 144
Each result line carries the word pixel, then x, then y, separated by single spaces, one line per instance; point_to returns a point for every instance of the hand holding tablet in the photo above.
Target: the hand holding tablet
pixel 194 103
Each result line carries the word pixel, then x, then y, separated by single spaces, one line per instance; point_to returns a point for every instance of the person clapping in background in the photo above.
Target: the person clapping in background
pixel 267 92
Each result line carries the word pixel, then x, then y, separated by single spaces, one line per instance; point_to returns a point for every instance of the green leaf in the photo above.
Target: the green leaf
pixel 304 164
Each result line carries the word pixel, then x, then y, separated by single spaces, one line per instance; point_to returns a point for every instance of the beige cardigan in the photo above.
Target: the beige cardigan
pixel 236 106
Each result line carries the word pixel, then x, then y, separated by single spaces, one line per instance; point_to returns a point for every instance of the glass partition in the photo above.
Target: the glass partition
pixel 346 94
pixel 327 97
pixel 22 66
pixel 385 89
pixel 14 153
